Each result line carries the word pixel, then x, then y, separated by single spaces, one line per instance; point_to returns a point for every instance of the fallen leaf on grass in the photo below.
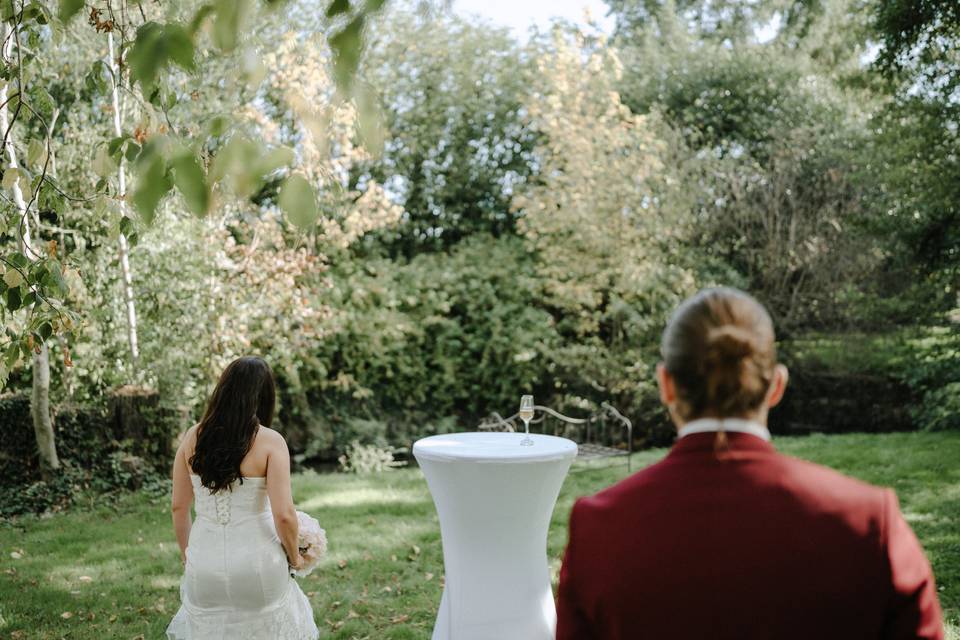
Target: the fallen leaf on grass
pixel 428 576
pixel 342 564
pixel 66 615
pixel 399 619
pixel 85 579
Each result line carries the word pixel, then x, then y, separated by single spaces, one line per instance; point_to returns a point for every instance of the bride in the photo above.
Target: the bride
pixel 238 554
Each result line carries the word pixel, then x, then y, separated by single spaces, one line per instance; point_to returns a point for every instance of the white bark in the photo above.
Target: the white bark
pixel 129 300
pixel 40 397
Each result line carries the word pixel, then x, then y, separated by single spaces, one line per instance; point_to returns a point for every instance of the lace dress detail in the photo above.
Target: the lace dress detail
pixel 223 508
pixel 236 583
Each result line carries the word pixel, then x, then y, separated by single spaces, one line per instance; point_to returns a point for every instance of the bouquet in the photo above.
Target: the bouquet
pixel 312 542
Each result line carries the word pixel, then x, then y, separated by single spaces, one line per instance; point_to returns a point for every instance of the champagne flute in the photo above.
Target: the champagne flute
pixel 526 414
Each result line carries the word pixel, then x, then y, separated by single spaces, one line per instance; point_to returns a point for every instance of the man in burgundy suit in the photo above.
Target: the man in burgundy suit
pixel 728 539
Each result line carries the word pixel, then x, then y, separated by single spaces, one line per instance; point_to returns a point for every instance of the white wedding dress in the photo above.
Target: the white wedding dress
pixel 236 584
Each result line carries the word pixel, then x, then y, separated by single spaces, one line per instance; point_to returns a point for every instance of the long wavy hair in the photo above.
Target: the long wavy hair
pixel 243 401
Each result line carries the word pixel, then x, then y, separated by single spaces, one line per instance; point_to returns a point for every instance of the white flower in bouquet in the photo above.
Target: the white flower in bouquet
pixel 312 542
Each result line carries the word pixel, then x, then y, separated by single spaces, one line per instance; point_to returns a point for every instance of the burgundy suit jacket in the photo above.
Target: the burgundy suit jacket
pixel 753 545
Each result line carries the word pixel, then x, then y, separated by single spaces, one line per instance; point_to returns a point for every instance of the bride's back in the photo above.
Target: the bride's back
pixel 254 464
pixel 235 471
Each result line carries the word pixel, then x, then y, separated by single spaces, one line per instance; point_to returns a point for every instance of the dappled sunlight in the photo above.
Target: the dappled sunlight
pixel 164 582
pixel 363 497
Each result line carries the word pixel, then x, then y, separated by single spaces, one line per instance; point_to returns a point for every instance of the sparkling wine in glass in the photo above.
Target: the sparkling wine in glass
pixel 526 414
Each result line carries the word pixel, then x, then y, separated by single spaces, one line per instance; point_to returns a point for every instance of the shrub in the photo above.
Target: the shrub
pixel 366 458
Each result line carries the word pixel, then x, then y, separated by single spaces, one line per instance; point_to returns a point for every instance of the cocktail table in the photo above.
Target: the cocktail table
pixel 494 498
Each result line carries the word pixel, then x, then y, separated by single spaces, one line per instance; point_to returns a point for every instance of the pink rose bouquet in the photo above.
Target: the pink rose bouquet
pixel 312 543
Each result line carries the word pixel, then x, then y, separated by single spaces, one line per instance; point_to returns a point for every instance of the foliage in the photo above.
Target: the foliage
pixel 386 557
pixel 367 458
pixel 152 54
pixel 441 340
pixel 914 158
pixel 452 96
pixel 95 457
pixel 926 361
pixel 782 188
pixel 919 39
pixel 608 245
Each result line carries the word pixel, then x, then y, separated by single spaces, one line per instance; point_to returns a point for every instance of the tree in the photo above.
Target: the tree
pixel 13 278
pixel 457 147
pixel 920 43
pixel 605 220
pixel 141 69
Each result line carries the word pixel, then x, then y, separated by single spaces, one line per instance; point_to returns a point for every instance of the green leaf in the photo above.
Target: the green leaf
pixel 98 78
pixel 146 55
pixel 276 158
pixel 12 355
pixel 38 273
pixel 45 330
pixel 190 181
pixel 10 178
pixel 201 15
pixel 19 260
pixel 127 226
pixel 375 5
pixel 113 147
pixel 154 47
pixel 337 7
pixel 103 163
pixel 299 201
pixel 13 299
pixel 36 11
pixel 13 278
pixel 346 46
pixel 132 152
pixel 369 121
pixel 180 46
pixel 227 24
pixel 36 153
pixel 151 187
pixel 42 102
pixel 70 8
pixel 54 280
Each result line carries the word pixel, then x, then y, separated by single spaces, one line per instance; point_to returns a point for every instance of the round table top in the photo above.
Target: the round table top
pixel 482 446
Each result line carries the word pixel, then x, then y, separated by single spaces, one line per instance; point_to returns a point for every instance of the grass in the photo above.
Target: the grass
pixel 112 571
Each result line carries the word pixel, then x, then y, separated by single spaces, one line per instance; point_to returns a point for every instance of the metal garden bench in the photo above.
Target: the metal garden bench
pixel 605 433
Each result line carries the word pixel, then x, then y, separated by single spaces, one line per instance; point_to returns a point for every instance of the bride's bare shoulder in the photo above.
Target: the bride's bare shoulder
pixel 271 437
pixel 189 439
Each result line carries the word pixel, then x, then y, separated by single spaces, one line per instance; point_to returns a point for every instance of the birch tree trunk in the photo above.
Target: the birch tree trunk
pixel 40 397
pixel 128 297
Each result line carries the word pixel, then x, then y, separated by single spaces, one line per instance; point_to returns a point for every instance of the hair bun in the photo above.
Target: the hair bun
pixel 728 344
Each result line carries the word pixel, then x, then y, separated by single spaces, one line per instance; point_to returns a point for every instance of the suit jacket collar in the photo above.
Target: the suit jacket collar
pixel 737 442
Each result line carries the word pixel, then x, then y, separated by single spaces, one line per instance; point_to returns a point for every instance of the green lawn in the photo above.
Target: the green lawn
pixel 113 571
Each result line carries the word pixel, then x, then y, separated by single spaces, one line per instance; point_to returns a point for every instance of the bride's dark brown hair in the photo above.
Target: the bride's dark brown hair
pixel 719 349
pixel 243 400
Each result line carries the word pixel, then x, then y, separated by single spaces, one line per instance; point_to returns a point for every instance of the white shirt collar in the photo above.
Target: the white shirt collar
pixel 706 425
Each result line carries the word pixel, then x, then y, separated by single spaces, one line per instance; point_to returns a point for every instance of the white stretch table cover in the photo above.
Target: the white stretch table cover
pixel 494 498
